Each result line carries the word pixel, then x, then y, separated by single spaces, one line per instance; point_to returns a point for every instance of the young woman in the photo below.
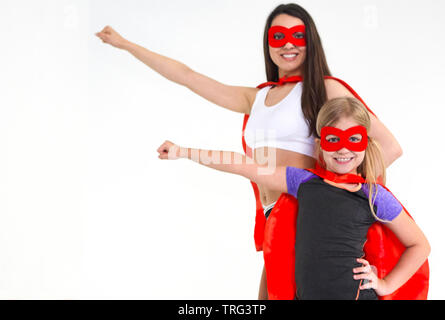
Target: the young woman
pixel 334 217
pixel 295 106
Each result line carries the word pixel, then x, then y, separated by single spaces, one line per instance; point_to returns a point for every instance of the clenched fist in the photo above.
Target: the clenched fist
pixel 110 36
pixel 168 150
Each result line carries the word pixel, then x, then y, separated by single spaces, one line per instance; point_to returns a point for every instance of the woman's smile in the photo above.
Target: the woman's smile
pixel 290 56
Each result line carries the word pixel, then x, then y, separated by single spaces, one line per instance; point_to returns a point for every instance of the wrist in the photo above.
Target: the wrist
pixel 183 153
pixel 384 288
pixel 127 45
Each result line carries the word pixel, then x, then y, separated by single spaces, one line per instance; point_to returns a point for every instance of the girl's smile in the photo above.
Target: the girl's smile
pixel 343 160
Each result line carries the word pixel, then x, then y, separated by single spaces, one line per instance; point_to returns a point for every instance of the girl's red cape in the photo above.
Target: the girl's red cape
pixel 276 238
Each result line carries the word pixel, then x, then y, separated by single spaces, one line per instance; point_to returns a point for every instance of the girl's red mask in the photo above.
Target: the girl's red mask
pixel 344 139
pixel 279 36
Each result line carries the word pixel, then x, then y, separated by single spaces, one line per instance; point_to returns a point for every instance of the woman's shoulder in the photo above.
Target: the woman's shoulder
pixel 335 88
pixel 251 94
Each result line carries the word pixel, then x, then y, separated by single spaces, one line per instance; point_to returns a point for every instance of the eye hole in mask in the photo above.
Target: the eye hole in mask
pixel 353 139
pixel 279 36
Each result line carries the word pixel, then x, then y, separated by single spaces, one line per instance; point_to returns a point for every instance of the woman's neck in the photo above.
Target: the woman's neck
pixel 282 73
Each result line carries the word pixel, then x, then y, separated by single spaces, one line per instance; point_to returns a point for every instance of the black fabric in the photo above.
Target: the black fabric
pixel 267 213
pixel 368 294
pixel 331 231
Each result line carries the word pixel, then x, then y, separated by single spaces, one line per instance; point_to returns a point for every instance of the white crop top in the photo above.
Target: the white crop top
pixel 281 126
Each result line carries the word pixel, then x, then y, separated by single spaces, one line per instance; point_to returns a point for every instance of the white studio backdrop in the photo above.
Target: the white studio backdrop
pixel 88 211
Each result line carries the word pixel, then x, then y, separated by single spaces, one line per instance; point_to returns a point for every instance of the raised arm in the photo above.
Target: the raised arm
pixel 271 177
pixel 390 146
pixel 235 98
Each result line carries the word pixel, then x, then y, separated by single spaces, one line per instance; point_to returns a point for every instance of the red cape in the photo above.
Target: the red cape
pixel 276 237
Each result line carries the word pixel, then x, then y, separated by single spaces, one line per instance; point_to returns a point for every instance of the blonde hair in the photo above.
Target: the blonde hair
pixel 373 166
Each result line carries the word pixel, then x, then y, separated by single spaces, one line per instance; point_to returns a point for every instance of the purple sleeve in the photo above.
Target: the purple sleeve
pixel 388 207
pixel 295 177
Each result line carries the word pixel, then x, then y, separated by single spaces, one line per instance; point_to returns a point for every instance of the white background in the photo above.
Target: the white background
pixel 87 211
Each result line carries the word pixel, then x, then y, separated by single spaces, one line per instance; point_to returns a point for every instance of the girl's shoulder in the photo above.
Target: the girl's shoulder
pixel 295 177
pixel 299 173
pixel 388 207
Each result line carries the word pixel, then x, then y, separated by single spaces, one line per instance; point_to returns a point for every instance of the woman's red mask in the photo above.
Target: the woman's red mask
pixel 279 36
pixel 344 139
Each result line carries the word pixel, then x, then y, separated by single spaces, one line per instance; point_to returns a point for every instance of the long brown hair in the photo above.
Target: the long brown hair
pixel 315 66
pixel 373 166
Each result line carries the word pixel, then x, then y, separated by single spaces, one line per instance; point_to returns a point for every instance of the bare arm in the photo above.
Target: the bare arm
pixel 235 98
pixel 390 147
pixel 273 178
pixel 417 251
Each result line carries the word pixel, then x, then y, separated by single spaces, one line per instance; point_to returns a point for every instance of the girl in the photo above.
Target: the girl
pixel 334 217
pixel 292 47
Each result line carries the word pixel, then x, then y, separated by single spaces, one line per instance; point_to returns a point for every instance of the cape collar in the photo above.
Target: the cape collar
pixel 281 81
pixel 337 178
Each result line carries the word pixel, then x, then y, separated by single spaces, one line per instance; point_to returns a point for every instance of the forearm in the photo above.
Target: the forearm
pixel 268 175
pixel 234 98
pixel 410 261
pixel 169 68
pixel 265 174
pixel 226 161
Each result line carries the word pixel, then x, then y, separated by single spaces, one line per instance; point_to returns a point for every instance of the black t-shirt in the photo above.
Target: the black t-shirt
pixel 332 225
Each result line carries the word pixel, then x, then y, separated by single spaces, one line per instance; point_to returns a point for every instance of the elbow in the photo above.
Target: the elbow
pixel 423 248
pixel 398 152
pixel 185 76
pixel 427 248
pixel 395 153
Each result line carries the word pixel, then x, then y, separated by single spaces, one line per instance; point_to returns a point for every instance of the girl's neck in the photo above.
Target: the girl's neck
pixel 351 187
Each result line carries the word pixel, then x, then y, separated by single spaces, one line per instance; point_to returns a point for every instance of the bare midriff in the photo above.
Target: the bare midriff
pixel 284 158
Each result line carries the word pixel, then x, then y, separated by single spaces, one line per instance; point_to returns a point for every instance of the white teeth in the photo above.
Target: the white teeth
pixel 289 55
pixel 343 159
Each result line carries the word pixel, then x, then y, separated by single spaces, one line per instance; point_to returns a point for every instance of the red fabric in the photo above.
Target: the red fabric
pixel 260 219
pixel 280 82
pixel 276 237
pixel 344 139
pixel 288 36
pixel 279 248
pixel 331 176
